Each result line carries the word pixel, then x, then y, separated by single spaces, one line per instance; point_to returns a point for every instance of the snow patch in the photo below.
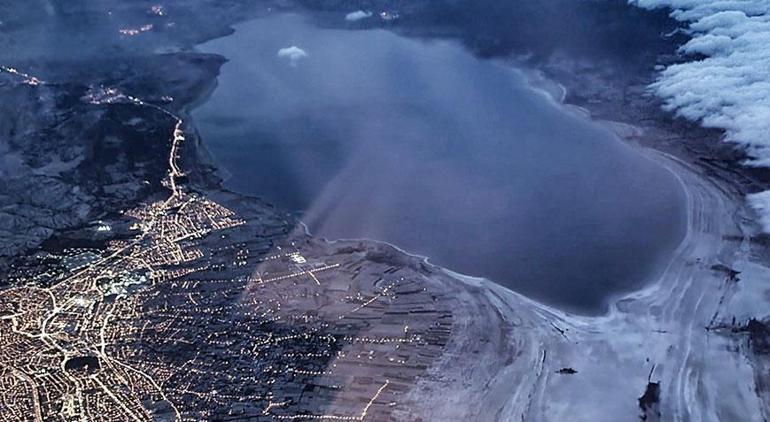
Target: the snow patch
pixel 760 202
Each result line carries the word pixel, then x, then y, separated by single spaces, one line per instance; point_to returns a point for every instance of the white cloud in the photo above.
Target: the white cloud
pixel 357 15
pixel 293 53
pixel 729 89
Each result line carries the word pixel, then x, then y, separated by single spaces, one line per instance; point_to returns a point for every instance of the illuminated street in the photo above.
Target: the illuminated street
pixel 186 313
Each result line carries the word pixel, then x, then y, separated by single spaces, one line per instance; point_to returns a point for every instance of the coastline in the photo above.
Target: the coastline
pixel 545 90
pixel 660 334
pixel 672 305
pixel 634 338
pixel 688 307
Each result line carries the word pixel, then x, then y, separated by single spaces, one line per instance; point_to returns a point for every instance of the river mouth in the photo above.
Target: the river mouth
pixel 423 145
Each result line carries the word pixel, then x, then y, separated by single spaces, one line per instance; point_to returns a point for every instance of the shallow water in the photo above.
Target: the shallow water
pixel 421 144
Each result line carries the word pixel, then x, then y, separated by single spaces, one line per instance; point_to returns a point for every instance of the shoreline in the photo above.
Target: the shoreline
pixel 633 339
pixel 683 319
pixel 550 334
pixel 555 93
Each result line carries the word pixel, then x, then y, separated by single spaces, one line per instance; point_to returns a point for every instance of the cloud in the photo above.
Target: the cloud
pixel 293 53
pixel 357 15
pixel 729 89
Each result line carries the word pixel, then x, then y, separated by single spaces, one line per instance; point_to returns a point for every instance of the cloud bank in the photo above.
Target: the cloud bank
pixel 727 83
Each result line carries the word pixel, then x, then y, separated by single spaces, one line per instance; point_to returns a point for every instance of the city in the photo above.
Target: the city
pixel 193 311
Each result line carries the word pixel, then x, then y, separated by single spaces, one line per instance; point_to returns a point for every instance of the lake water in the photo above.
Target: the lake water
pixel 421 144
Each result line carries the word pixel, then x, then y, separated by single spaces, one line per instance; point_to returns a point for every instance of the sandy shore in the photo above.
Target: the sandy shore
pixel 511 358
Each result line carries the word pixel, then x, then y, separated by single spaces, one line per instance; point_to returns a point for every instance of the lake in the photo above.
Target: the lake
pixel 421 144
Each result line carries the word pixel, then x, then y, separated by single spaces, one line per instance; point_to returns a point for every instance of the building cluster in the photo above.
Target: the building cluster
pixel 187 310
